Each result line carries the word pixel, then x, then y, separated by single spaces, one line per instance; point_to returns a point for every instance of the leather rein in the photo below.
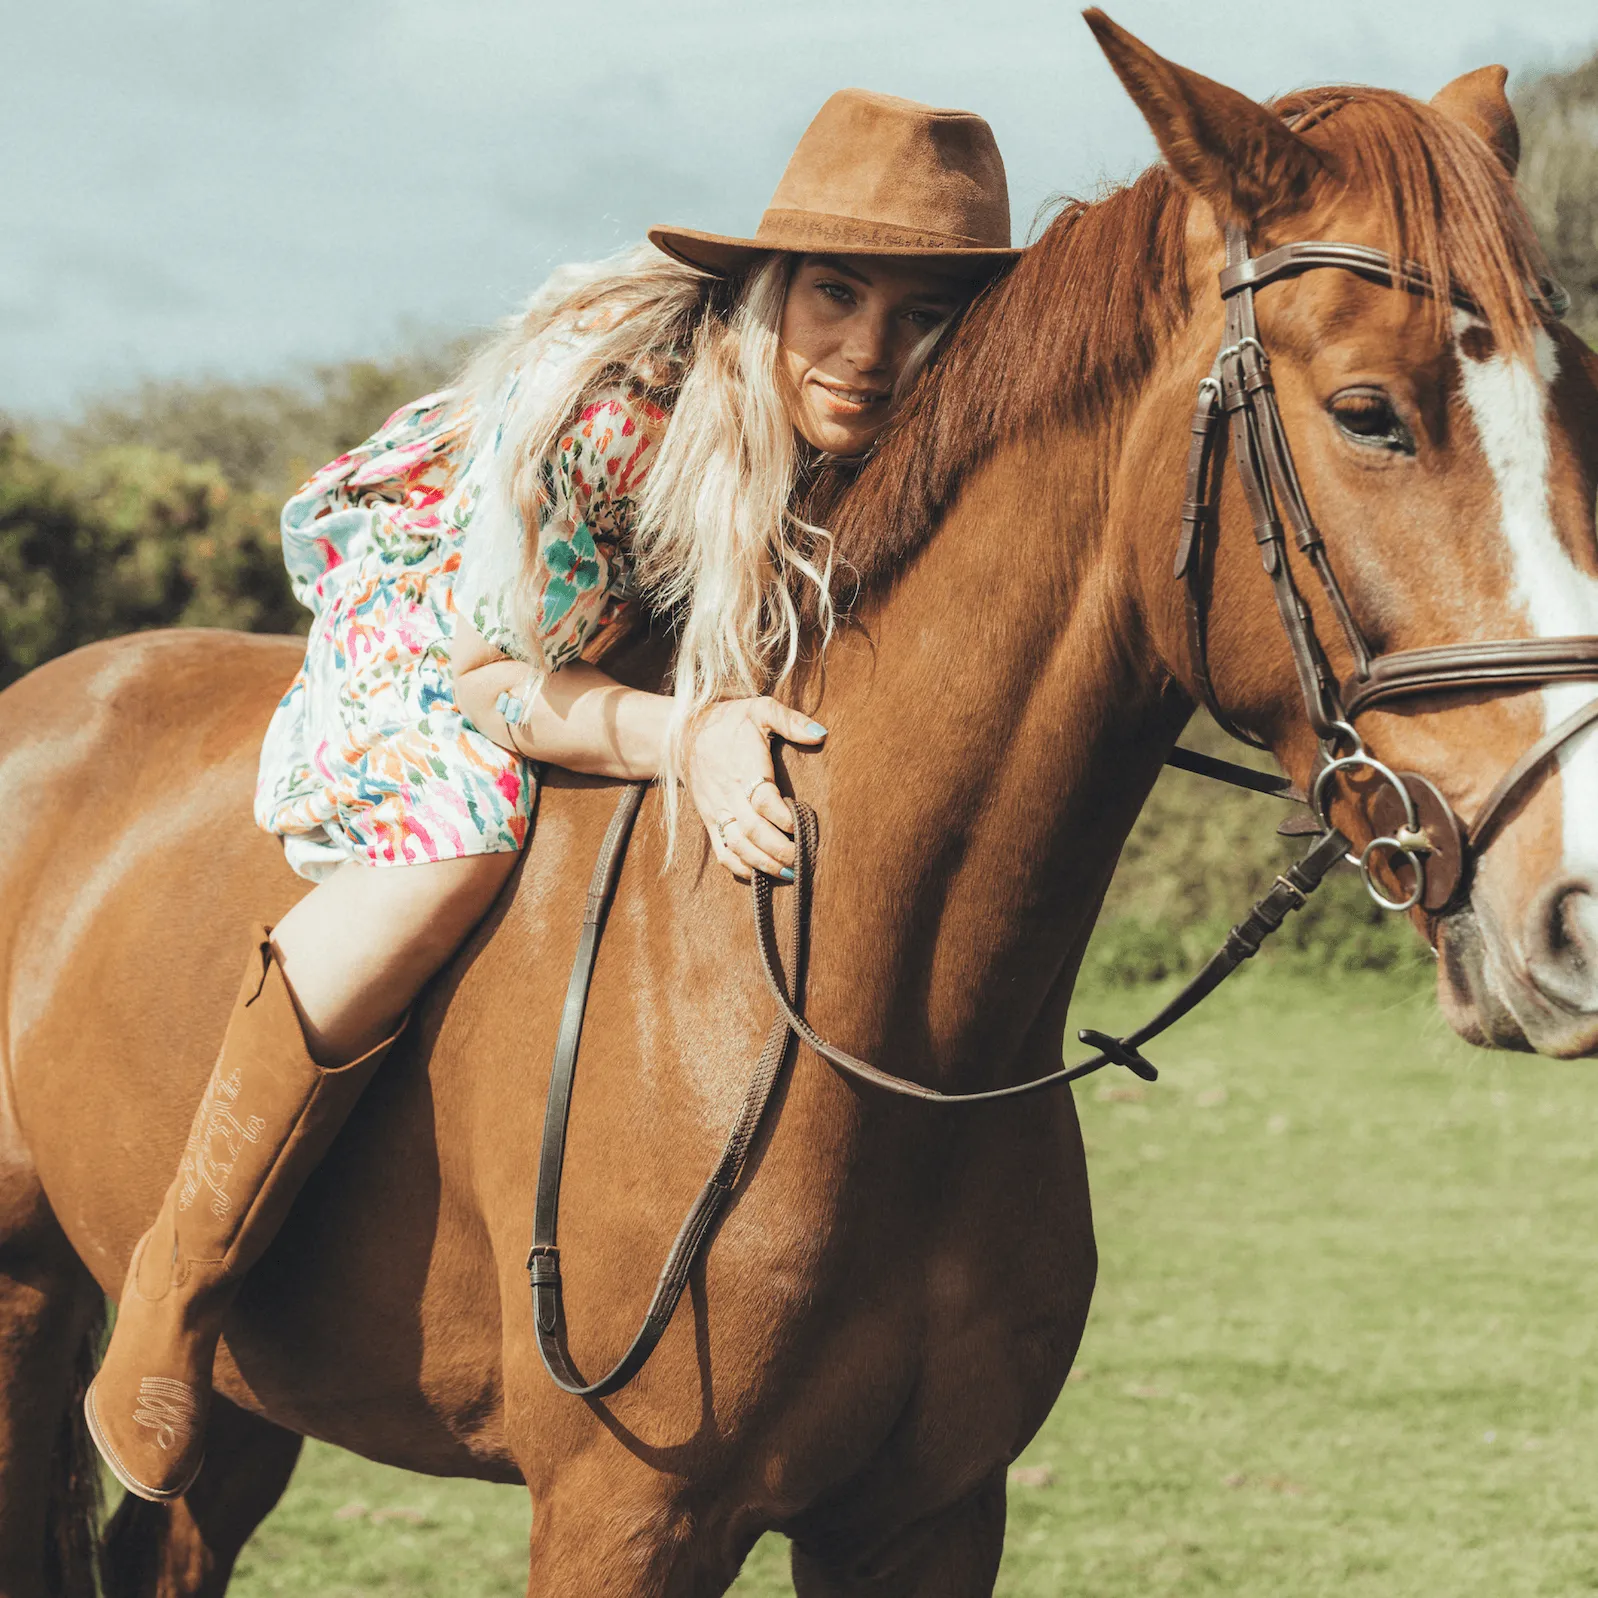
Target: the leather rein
pixel 1421 828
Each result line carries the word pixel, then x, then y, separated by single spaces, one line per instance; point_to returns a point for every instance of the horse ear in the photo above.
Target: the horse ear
pixel 1478 100
pixel 1230 151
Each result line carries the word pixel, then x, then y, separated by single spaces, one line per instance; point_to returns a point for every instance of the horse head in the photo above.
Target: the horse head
pixel 1444 430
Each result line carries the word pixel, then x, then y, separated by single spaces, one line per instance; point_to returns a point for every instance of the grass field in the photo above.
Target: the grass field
pixel 1342 1341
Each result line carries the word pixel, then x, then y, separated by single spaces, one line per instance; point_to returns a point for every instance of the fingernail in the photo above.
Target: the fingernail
pixel 786 873
pixel 814 729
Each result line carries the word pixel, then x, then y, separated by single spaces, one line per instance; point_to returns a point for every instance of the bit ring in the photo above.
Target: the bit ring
pixel 1411 852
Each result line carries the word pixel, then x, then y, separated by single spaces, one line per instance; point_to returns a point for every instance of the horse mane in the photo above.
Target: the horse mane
pixel 1076 325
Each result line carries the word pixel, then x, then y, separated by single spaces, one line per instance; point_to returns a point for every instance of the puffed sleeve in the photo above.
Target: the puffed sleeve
pixel 540 599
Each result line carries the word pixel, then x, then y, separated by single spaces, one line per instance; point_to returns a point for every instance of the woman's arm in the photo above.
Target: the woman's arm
pixel 579 717
pixel 584 720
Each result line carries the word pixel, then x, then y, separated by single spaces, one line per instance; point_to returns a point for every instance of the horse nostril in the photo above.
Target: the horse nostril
pixel 1562 959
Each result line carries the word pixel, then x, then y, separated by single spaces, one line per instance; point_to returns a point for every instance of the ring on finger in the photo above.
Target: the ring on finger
pixel 721 828
pixel 759 782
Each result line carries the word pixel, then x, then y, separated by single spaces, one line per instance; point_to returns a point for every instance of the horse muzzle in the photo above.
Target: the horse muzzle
pixel 1533 988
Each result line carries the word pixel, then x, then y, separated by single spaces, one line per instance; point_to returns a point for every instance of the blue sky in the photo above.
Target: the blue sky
pixel 239 189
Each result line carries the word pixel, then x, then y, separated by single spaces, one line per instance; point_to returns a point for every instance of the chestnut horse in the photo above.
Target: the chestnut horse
pixel 891 1304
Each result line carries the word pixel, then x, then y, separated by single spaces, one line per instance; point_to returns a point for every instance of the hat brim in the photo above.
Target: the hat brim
pixel 723 255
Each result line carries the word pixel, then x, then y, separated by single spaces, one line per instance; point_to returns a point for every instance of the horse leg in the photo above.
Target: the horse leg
pixel 186 1549
pixel 609 1526
pixel 51 1322
pixel 952 1554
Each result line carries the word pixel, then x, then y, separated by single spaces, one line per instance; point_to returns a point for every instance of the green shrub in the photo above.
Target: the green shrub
pixel 46 562
pixel 129 539
pixel 267 437
pixel 1558 116
pixel 177 545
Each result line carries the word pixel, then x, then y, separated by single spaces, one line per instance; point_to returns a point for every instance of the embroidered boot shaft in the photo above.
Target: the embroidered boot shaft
pixel 266 1117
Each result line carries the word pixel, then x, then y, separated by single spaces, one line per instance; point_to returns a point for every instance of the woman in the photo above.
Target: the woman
pixel 639 432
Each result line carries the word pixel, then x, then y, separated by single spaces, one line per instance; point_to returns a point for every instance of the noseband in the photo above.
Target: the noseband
pixel 1419 836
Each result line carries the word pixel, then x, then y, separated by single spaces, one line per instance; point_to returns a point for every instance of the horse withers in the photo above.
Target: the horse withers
pixel 891 1304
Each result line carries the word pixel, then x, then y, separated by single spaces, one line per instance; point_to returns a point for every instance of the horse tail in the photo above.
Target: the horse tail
pixel 72 1525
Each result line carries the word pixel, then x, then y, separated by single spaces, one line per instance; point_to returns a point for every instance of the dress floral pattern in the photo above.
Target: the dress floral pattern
pixel 368 757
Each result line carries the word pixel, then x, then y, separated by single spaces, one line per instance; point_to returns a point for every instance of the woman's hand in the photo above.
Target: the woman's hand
pixel 730 780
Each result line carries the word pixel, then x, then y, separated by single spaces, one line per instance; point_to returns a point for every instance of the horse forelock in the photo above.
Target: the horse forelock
pixel 1074 328
pixel 1442 197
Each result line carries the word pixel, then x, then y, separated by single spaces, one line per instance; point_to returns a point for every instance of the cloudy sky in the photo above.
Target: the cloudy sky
pixel 198 188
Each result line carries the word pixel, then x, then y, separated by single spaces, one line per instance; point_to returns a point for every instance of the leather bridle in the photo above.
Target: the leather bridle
pixel 1420 826
pixel 1424 840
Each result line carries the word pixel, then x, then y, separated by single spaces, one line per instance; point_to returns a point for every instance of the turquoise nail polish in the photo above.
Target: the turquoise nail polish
pixel 786 873
pixel 816 730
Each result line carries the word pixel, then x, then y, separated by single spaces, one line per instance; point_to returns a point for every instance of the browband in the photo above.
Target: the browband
pixel 1286 260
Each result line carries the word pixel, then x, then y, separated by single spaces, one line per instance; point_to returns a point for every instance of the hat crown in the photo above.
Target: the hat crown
pixel 888 162
pixel 876 175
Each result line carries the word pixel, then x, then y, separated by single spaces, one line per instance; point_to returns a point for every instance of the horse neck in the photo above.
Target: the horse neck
pixel 996 727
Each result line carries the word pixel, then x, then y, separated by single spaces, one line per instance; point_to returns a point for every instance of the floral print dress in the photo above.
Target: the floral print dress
pixel 368 757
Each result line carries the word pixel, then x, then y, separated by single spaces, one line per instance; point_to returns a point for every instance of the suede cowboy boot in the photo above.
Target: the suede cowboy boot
pixel 268 1114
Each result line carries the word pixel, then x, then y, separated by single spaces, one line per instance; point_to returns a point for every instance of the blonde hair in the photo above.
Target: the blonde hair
pixel 717 540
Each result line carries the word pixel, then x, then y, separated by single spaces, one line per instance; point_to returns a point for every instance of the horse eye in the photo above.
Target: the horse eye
pixel 1366 416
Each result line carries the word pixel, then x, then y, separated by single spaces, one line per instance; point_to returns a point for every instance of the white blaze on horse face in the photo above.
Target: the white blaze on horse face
pixel 1509 401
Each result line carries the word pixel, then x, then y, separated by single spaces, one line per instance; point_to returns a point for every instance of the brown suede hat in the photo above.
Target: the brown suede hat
pixel 876 175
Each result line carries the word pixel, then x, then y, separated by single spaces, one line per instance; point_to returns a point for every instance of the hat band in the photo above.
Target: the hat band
pixel 799 230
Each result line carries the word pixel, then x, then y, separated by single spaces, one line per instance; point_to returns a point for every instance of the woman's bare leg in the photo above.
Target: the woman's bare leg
pixel 359 946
